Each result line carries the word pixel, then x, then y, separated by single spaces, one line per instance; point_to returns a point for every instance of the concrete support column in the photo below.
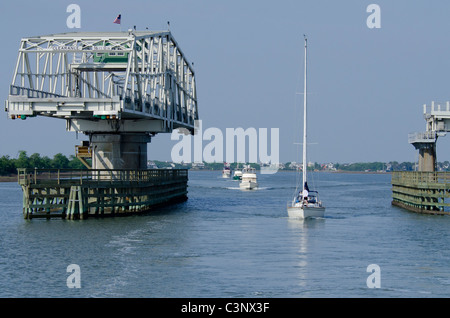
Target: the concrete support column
pixel 427 158
pixel 119 151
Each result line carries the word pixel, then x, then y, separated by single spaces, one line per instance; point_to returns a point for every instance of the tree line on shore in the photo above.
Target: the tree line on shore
pixel 9 165
pixel 350 167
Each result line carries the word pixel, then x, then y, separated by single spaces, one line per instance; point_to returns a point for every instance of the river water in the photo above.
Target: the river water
pixel 228 243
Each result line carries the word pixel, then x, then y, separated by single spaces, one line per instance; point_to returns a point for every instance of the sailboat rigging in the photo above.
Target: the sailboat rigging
pixel 306 203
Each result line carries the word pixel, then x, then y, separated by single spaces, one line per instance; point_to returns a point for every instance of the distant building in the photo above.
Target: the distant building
pixel 295 165
pixel 198 165
pixel 151 165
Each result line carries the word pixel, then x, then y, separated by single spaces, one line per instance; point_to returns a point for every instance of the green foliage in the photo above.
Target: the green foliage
pixel 39 162
pixel 22 160
pixel 6 166
pixel 75 163
pixel 9 165
pixel 60 161
pixel 361 166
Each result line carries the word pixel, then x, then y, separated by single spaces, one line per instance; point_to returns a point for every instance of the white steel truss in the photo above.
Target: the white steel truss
pixel 88 77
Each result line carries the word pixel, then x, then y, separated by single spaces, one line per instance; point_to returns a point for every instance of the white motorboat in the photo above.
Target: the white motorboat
pixel 249 179
pixel 226 172
pixel 237 174
pixel 306 203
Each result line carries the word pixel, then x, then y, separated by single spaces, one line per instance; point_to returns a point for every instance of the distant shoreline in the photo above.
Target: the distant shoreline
pixel 13 178
pixel 318 171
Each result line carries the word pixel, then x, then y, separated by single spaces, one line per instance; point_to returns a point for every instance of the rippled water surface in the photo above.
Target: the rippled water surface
pixel 224 242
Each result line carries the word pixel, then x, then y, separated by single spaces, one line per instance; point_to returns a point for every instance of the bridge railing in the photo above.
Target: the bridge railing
pixel 416 177
pixel 80 176
pixel 427 136
pixel 436 107
pixel 30 93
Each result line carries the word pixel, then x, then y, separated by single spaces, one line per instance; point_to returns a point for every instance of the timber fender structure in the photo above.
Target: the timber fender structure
pixel 78 194
pixel 423 192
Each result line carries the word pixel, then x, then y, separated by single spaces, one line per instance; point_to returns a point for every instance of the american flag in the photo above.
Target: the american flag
pixel 117 20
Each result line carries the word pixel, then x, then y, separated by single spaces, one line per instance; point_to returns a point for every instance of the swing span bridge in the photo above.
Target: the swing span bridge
pixel 105 82
pixel 425 190
pixel 118 88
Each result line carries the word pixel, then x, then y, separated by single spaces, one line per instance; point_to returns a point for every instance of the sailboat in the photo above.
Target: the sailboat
pixel 306 203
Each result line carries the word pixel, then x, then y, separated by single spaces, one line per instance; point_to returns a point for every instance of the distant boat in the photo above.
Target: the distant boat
pixel 249 179
pixel 226 172
pixel 306 203
pixel 237 174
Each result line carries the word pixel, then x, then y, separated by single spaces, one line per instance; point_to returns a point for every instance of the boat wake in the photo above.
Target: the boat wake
pixel 255 189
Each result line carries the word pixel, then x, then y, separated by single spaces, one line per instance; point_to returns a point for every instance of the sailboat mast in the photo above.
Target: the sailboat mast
pixel 304 123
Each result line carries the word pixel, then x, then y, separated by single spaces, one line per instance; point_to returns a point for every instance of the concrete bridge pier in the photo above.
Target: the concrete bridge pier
pixel 425 142
pixel 427 158
pixel 119 150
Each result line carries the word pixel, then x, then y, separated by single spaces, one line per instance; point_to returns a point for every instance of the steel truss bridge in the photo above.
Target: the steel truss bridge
pixel 108 82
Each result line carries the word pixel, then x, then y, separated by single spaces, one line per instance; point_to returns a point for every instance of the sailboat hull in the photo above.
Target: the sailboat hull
pixel 303 212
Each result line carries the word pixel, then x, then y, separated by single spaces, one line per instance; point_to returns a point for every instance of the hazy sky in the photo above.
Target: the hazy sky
pixel 367 86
